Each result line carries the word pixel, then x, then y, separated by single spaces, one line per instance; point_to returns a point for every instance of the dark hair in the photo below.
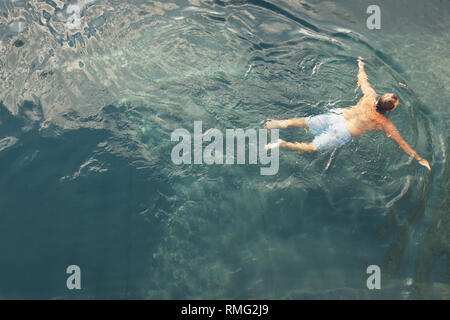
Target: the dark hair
pixel 386 102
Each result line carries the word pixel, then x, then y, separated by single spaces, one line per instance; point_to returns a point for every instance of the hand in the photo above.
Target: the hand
pixel 425 163
pixel 361 64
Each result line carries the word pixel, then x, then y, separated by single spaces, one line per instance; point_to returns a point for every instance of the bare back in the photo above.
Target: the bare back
pixel 363 117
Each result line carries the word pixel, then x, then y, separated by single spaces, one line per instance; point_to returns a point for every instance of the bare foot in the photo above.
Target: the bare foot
pixel 275 124
pixel 273 145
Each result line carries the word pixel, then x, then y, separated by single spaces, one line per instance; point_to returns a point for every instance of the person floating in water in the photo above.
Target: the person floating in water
pixel 339 125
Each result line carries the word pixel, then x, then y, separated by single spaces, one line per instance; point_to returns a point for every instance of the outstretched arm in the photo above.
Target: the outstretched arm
pixel 363 81
pixel 392 132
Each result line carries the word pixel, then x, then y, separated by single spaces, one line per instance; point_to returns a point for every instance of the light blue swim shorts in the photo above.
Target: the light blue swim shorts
pixel 329 129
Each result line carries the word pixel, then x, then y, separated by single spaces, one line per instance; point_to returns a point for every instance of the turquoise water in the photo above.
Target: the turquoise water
pixel 86 113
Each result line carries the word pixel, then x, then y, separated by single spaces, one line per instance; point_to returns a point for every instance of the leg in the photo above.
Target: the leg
pixel 294 122
pixel 299 147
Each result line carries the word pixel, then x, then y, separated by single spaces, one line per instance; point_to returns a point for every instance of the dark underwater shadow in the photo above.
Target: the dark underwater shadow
pixel 74 197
